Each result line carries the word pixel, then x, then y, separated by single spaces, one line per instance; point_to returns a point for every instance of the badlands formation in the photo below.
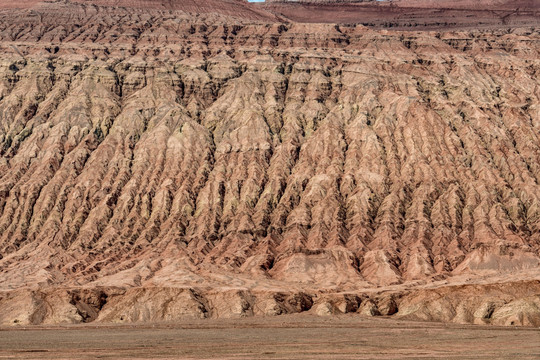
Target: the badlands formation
pixel 412 14
pixel 170 159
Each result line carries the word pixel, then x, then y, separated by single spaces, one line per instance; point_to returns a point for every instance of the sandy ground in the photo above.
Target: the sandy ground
pixel 284 337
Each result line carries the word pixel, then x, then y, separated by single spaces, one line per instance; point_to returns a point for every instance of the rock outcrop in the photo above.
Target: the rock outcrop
pixel 155 164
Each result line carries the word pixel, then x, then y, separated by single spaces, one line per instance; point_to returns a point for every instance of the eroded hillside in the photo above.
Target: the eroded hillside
pixel 417 15
pixel 156 164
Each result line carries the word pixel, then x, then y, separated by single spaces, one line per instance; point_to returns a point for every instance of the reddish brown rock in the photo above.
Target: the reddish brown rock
pixel 411 14
pixel 156 164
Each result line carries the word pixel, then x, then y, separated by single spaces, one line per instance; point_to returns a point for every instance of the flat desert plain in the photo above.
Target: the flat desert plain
pixel 296 336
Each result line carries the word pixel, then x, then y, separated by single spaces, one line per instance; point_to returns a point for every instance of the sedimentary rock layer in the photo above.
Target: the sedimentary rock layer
pixel 173 156
pixel 512 304
pixel 412 14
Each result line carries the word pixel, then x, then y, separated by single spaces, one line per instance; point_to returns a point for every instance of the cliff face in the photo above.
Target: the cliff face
pixel 239 168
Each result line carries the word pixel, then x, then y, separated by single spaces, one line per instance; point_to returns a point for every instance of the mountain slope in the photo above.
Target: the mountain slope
pixel 249 167
pixel 412 14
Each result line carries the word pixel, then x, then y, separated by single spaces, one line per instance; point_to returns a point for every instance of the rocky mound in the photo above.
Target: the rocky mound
pixel 155 164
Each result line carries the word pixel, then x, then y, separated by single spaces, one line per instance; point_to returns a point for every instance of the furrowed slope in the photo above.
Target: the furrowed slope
pixel 235 8
pixel 412 14
pixel 243 168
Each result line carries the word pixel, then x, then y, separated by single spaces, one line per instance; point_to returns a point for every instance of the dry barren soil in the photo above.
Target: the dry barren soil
pixel 286 337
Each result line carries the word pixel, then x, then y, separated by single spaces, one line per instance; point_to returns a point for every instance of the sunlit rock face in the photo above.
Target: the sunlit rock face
pixel 157 164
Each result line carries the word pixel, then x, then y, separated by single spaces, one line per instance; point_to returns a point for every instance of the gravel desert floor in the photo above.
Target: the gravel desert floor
pixel 284 337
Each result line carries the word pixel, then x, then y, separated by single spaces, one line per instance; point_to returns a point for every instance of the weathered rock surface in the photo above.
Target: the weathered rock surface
pixel 411 14
pixel 155 164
